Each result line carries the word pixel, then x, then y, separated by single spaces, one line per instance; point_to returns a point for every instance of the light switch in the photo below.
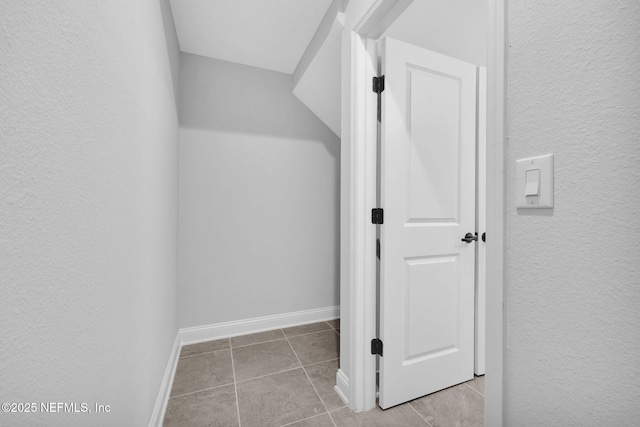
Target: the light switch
pixel 534 182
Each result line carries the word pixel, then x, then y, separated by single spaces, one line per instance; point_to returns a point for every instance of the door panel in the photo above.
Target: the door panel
pixel 433 172
pixel 430 322
pixel 427 191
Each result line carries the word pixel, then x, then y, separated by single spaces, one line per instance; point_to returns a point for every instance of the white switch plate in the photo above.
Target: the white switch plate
pixel 545 199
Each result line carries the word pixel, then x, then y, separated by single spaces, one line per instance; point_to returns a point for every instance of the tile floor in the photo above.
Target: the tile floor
pixel 285 377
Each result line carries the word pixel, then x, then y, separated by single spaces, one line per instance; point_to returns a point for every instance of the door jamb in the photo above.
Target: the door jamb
pixel 360 271
pixel 496 211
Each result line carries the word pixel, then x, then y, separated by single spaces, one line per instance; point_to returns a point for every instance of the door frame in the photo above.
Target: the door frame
pixel 356 377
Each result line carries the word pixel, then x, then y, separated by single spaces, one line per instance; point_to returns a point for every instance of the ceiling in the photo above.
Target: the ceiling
pixel 271 34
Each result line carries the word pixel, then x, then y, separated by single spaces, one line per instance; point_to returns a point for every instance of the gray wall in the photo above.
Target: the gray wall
pixel 88 208
pixel 573 275
pixel 259 196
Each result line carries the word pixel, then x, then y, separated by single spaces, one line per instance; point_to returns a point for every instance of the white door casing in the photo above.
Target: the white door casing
pixel 428 193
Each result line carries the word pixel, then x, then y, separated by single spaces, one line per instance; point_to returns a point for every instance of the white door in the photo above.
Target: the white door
pixel 428 149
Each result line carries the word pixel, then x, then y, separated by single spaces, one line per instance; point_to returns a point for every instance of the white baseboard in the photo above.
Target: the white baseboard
pixel 257 324
pixel 165 387
pixel 342 386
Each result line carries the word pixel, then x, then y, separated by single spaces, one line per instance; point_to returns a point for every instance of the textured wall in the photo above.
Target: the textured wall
pixel 573 285
pixel 259 188
pixel 88 208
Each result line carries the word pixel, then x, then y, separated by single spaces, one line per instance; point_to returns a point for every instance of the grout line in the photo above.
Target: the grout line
pixel 331 416
pixel 206 352
pixel 312 385
pixel 419 414
pixel 309 333
pixel 335 329
pixel 268 375
pixel 200 391
pixel 283 337
pixel 286 370
pixel 304 419
pixel 257 343
pixel 235 384
pixel 474 390
pixel 208 388
pixel 324 361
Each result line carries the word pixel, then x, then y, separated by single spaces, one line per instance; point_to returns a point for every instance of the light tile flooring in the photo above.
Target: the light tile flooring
pixel 285 377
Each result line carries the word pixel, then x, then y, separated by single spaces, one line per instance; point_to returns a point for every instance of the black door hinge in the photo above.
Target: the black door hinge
pixel 378 248
pixel 376 346
pixel 377 216
pixel 378 84
pixel 378 87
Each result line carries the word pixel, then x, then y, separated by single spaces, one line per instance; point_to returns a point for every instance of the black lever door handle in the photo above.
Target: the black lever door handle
pixel 470 237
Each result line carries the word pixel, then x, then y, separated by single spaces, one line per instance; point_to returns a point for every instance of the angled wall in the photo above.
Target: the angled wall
pixel 457 28
pixel 316 79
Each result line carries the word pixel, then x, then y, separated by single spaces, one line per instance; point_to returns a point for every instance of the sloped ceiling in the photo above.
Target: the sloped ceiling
pixel 270 34
pixel 318 84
